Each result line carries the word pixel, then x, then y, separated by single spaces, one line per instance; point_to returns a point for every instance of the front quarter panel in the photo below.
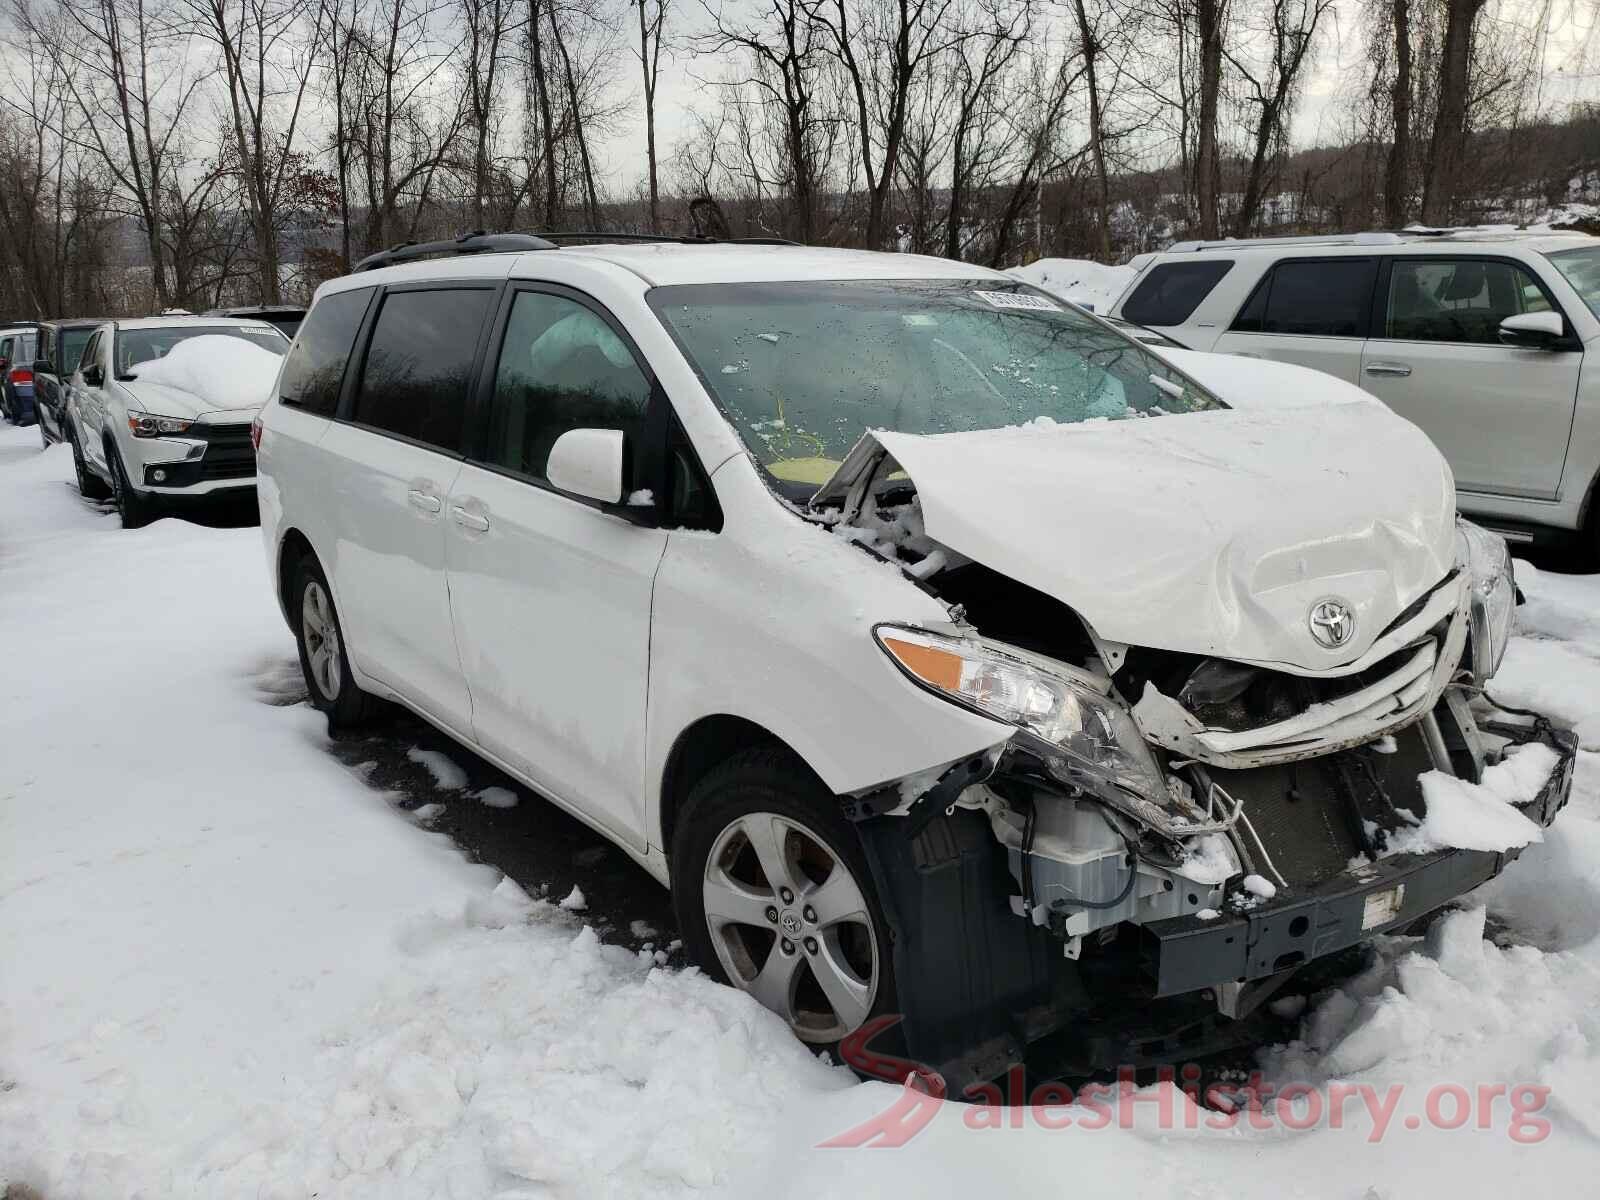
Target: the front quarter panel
pixel 771 620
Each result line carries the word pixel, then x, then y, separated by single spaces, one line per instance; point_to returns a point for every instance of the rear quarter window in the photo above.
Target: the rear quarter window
pixel 1170 292
pixel 313 371
pixel 1312 298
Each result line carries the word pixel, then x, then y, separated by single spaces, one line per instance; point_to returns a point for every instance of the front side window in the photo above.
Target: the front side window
pixel 1312 298
pixel 1437 300
pixel 803 369
pixel 135 346
pixel 1581 268
pixel 561 367
pixel 72 343
pixel 91 352
pixel 418 371
pixel 314 369
pixel 1170 292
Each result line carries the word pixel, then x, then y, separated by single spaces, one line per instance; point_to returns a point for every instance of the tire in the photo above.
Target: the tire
pixel 323 660
pixel 44 435
pixel 760 806
pixel 134 511
pixel 90 485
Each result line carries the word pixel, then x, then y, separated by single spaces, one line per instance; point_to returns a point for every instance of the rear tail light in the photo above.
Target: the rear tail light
pixel 255 434
pixel 21 375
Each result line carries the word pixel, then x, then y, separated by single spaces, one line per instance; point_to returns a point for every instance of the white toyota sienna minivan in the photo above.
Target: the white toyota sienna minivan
pixel 963 667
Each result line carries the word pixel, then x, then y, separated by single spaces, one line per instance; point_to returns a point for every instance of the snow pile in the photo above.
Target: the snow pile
pixel 1479 816
pixel 1089 284
pixel 226 372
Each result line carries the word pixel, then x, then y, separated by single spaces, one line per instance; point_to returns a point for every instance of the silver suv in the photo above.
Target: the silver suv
pixel 1488 340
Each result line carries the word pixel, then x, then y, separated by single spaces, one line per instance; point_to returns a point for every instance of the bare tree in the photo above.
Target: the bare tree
pixel 980 64
pixel 1447 150
pixel 1290 30
pixel 267 60
pixel 1211 24
pixel 652 21
pixel 882 46
pixel 1396 181
pixel 488 25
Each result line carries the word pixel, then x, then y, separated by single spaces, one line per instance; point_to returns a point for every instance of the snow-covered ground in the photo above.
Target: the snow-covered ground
pixel 230 968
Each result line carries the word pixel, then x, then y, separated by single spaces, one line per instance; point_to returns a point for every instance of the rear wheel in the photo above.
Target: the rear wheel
pixel 774 896
pixel 323 660
pixel 90 485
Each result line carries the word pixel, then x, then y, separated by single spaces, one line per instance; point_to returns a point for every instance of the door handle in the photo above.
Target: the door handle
pixel 1388 368
pixel 469 519
pixel 426 502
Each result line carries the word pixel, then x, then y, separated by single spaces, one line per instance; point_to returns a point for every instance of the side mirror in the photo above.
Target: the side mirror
pixel 588 463
pixel 94 376
pixel 1533 331
pixel 43 366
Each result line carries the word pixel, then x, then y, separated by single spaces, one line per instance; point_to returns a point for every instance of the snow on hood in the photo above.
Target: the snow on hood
pixel 1212 533
pixel 1079 281
pixel 206 373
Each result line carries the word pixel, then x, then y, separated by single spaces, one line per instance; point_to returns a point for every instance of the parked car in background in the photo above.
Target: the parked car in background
pixel 957 661
pixel 1490 341
pixel 286 317
pixel 160 410
pixel 60 343
pixel 16 372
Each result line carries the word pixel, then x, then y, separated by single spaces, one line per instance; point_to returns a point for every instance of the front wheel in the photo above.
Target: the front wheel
pixel 774 896
pixel 134 509
pixel 323 660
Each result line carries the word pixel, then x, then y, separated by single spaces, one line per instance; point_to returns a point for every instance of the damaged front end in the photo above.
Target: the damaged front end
pixel 1169 837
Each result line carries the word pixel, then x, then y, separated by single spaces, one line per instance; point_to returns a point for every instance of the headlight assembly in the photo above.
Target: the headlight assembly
pixel 1091 729
pixel 149 425
pixel 1494 595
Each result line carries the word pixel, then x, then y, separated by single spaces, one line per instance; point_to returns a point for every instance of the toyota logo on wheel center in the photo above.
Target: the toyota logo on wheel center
pixel 1332 623
pixel 790 923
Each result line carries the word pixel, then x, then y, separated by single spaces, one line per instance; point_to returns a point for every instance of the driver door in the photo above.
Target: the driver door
pixel 1500 415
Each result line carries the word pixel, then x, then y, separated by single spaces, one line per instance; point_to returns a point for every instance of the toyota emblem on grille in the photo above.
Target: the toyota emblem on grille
pixel 1332 623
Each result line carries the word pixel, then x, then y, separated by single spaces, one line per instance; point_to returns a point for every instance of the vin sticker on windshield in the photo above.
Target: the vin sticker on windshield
pixel 1017 300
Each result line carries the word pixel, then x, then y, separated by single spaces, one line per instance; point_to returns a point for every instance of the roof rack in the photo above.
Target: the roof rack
pixel 1375 237
pixel 479 242
pixel 476 242
pixel 579 237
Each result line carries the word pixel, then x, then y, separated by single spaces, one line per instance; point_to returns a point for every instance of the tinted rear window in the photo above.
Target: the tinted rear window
pixel 1170 292
pixel 1312 298
pixel 418 371
pixel 314 370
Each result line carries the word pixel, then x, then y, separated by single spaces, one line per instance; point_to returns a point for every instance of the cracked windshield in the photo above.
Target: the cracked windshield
pixel 804 369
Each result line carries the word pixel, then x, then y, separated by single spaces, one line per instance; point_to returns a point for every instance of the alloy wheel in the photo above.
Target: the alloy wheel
pixel 321 633
pixel 791 926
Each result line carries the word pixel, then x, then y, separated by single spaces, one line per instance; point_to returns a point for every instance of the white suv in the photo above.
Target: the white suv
pixel 859 599
pixel 1490 341
pixel 160 410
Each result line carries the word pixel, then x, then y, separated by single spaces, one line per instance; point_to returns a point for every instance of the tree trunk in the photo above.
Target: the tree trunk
pixel 1210 17
pixel 1449 144
pixel 546 121
pixel 1097 150
pixel 1396 185
pixel 649 60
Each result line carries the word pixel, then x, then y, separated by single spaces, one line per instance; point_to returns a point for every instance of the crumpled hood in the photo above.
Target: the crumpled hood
pixel 1213 533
